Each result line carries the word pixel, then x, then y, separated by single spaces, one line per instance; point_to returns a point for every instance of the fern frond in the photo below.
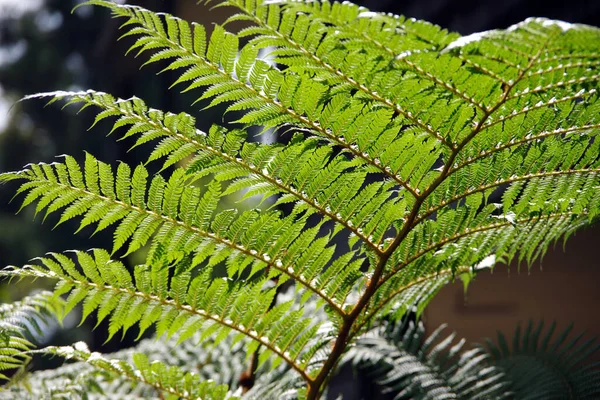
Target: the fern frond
pixel 372 31
pixel 21 320
pixel 429 268
pixel 176 219
pixel 302 171
pixel 539 366
pixel 473 243
pixel 406 364
pixel 172 381
pixel 269 95
pixel 220 364
pixel 27 314
pixel 313 45
pixel 180 304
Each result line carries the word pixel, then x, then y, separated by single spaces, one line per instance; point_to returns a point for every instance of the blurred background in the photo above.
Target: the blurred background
pixel 43 47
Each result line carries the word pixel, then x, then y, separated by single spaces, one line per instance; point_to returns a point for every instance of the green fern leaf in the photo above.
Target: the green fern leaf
pixel 171 304
pixel 405 363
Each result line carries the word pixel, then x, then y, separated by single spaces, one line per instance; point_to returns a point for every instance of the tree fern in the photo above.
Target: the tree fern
pixel 416 156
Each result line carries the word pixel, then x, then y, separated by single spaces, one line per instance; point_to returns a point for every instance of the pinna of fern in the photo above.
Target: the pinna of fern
pixel 146 371
pixel 539 365
pixel 406 136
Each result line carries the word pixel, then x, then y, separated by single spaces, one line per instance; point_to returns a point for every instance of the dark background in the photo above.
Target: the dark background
pixel 48 48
